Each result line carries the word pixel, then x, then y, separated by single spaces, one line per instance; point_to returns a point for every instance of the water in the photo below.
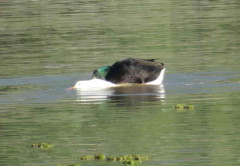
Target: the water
pixel 46 46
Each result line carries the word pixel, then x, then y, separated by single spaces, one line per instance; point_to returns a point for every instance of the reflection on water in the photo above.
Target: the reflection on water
pixel 123 95
pixel 93 97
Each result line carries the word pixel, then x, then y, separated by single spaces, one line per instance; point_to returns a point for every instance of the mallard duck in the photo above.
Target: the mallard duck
pixel 126 71
pixel 131 70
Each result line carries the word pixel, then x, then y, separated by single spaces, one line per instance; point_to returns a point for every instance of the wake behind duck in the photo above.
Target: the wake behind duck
pixel 128 71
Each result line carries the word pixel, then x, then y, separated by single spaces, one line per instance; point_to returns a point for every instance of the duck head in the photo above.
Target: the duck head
pixel 101 72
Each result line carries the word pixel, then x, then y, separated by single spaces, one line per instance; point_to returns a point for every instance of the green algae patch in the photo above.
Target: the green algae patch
pixel 131 162
pixel 183 107
pixel 87 157
pixel 43 145
pixel 128 160
pixel 99 157
pixel 93 157
pixel 68 165
pixel 131 157
pixel 111 158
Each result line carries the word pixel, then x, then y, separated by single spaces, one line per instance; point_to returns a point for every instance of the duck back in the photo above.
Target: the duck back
pixel 133 70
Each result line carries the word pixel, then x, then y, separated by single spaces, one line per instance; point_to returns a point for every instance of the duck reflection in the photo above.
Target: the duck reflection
pixel 134 95
pixel 93 97
pixel 131 95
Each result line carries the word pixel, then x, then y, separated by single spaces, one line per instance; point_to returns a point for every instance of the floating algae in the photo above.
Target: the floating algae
pixel 131 162
pixel 93 157
pixel 111 158
pixel 183 107
pixel 99 157
pixel 87 157
pixel 142 158
pixel 132 159
pixel 125 159
pixel 43 145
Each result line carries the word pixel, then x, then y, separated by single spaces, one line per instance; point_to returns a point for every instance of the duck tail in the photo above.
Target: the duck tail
pixel 150 60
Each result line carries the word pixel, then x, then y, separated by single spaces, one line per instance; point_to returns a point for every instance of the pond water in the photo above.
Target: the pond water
pixel 46 46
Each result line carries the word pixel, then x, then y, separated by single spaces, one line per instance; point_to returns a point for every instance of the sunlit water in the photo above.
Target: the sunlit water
pixel 46 46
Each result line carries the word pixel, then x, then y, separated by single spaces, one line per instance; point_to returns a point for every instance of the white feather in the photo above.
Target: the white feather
pixel 159 80
pixel 93 84
pixel 96 84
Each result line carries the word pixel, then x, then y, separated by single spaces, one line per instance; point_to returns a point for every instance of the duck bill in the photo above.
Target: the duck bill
pixel 71 88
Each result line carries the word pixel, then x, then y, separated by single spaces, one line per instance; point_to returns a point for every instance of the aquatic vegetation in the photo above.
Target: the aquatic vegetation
pixel 111 158
pixel 99 157
pixel 142 158
pixel 43 145
pixel 182 107
pixel 125 159
pixel 132 159
pixel 131 162
pixel 68 165
pixel 128 162
pixel 93 157
pixel 87 157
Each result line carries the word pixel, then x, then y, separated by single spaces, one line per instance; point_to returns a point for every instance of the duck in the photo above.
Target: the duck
pixel 125 72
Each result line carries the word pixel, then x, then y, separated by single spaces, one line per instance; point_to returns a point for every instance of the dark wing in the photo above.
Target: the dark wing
pixel 134 71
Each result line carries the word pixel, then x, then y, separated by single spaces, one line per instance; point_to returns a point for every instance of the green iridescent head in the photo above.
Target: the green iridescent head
pixel 101 72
